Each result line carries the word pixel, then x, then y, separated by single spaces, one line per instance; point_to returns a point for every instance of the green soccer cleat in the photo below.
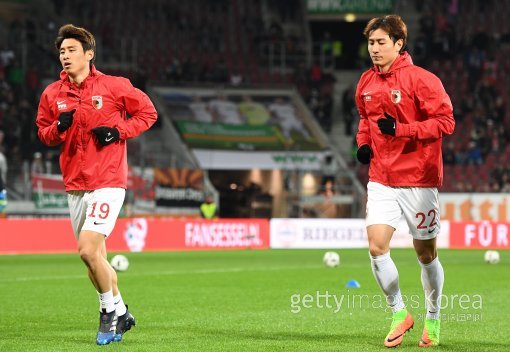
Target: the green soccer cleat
pixel 430 335
pixel 402 322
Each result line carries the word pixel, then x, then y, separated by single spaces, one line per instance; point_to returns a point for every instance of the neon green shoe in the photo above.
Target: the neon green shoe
pixel 430 336
pixel 402 322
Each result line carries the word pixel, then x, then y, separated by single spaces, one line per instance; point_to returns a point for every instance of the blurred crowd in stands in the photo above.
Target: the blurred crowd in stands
pixel 261 42
pixel 466 44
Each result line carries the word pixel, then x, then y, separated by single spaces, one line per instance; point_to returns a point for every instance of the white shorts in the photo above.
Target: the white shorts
pixel 419 205
pixel 95 210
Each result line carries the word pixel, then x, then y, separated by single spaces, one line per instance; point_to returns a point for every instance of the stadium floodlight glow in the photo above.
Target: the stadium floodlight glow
pixel 350 17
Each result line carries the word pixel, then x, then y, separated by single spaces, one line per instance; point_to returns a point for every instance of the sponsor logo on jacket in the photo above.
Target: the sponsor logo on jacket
pixel 61 105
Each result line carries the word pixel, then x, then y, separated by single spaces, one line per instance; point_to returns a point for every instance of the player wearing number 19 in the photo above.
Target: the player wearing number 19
pixel 404 113
pixel 85 112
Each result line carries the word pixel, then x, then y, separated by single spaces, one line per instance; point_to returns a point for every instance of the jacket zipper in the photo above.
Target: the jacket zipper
pixel 82 142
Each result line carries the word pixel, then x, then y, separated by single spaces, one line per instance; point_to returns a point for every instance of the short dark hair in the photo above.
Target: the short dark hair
pixel 392 24
pixel 80 34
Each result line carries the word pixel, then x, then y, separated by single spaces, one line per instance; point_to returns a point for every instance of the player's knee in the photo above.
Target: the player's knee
pixel 376 249
pixel 426 258
pixel 89 256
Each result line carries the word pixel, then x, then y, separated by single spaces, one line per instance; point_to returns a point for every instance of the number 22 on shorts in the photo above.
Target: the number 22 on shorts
pixel 430 218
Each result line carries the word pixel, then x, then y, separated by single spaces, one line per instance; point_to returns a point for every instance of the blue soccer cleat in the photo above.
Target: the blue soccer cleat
pixel 107 325
pixel 124 323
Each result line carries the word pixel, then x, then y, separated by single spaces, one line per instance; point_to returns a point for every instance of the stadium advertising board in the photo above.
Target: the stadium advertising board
pixel 136 235
pixel 48 191
pixel 232 160
pixel 226 136
pixel 239 120
pixel 480 235
pixel 178 187
pixel 343 6
pixel 475 206
pixel 318 233
pixel 338 233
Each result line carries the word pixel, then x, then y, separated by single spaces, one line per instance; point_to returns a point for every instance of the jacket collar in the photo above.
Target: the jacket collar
pixel 93 73
pixel 402 60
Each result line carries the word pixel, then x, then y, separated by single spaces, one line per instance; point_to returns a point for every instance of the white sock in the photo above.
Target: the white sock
pixel 99 299
pixel 120 307
pixel 432 279
pixel 106 301
pixel 386 275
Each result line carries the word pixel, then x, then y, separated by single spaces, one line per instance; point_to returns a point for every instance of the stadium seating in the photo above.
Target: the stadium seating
pixel 204 41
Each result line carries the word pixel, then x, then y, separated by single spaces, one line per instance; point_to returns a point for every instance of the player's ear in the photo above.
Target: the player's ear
pixel 89 54
pixel 399 44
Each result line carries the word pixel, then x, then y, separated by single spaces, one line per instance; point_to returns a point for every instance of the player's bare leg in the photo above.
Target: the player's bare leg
pixel 125 319
pixel 115 288
pixel 91 246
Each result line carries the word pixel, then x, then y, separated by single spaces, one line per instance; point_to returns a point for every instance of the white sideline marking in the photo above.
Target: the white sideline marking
pixel 166 273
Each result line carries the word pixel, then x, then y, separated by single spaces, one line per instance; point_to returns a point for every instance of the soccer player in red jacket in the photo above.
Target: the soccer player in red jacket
pixel 404 113
pixel 85 112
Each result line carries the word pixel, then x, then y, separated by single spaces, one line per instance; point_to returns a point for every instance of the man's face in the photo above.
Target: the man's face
pixel 382 50
pixel 73 58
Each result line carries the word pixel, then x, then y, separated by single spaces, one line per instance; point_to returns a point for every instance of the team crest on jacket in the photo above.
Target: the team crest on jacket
pixel 395 96
pixel 97 101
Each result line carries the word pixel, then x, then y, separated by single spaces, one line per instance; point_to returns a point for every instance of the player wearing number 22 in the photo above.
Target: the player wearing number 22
pixel 85 112
pixel 404 113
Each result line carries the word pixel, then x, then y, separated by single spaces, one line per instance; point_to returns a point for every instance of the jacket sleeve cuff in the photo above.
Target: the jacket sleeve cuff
pixel 405 130
pixel 56 134
pixel 122 132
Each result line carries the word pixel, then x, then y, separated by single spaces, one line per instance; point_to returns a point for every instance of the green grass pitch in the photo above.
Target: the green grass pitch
pixel 248 301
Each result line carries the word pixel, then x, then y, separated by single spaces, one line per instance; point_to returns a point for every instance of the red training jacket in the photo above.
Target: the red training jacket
pixel 101 100
pixel 416 98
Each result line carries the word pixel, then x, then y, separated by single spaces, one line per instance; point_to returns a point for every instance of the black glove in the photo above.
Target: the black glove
pixel 387 125
pixel 65 120
pixel 364 154
pixel 106 135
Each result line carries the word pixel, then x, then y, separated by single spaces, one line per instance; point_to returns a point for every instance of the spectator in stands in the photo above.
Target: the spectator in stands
pixel 449 154
pixel 315 75
pixel 6 57
pixel 327 51
pixel 209 208
pixel 85 112
pixel 236 78
pixel 3 167
pixel 37 166
pixel 327 208
pixel 474 154
pixel 329 169
pixel 174 70
pixel 3 181
pixel 349 109
pixel 326 108
pixel 400 135
pixel 3 177
pixel 16 77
